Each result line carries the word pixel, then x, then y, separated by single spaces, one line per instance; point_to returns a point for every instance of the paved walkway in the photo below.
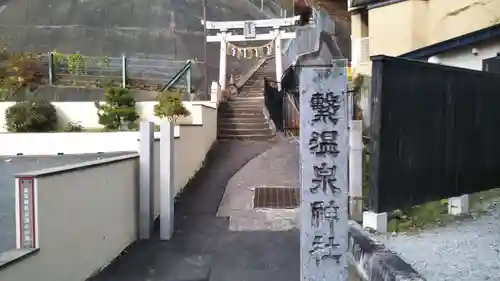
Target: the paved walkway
pixel 277 167
pixel 204 247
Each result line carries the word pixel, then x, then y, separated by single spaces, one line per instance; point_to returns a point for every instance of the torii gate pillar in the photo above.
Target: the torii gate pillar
pixel 223 63
pixel 278 57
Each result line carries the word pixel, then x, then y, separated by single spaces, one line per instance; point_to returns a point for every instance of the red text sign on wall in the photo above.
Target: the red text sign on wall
pixel 27 225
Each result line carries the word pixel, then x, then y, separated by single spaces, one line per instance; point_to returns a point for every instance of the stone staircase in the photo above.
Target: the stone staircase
pixel 242 117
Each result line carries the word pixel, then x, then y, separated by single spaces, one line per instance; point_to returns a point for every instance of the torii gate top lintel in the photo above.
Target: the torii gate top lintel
pixel 224 37
pixel 276 23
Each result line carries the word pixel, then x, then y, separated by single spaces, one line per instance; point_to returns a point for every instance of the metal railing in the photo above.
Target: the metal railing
pixel 291 114
pixel 283 108
pixel 145 72
pixel 183 75
pixel 273 100
pixel 307 38
pixel 273 9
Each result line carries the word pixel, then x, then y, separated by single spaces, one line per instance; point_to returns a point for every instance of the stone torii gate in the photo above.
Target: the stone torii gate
pixel 247 32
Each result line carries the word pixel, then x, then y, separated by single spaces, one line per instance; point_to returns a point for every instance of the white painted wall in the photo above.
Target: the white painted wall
pixel 86 113
pixel 464 57
pixel 67 143
pixel 92 142
pixel 191 146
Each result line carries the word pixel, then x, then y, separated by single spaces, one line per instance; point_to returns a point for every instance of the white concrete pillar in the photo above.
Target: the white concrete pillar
pixel 434 59
pixel 124 71
pixel 278 58
pixel 223 61
pixel 458 206
pixel 355 52
pixel 356 170
pixel 214 93
pixel 350 106
pixel 146 170
pixel 167 194
pixel 375 221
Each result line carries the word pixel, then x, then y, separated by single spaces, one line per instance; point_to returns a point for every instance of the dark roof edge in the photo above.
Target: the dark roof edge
pixel 379 58
pixel 456 42
pixel 374 4
pixel 384 3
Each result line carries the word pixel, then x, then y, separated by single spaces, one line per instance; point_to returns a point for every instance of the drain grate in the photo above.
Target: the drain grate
pixel 276 197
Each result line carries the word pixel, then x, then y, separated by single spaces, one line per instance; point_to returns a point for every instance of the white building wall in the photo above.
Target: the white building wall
pixel 84 217
pixel 465 57
pixel 85 113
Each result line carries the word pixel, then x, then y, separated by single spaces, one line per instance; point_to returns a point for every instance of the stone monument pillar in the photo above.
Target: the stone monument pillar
pixel 324 171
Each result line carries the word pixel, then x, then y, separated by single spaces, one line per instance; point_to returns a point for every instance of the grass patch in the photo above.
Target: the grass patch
pixel 435 213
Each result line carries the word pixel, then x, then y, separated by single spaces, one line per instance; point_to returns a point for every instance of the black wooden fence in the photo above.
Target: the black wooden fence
pixel 273 100
pixel 283 105
pixel 435 132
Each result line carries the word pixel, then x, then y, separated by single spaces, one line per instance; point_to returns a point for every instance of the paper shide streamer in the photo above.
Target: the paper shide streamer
pixel 250 52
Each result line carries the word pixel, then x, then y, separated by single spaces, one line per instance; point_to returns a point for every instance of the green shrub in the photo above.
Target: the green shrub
pixel 170 106
pixel 73 127
pixel 118 109
pixel 31 116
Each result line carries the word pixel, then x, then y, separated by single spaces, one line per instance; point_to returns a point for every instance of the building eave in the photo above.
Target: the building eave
pixel 456 42
pixel 371 4
pixel 384 3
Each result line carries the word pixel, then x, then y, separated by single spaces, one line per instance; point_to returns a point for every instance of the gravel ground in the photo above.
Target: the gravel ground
pixel 467 250
pixel 17 164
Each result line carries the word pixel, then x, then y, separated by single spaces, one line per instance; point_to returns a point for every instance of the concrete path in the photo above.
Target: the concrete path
pixel 204 247
pixel 277 167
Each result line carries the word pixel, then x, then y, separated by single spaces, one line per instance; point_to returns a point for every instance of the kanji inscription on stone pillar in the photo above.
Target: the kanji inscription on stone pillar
pixel 324 172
